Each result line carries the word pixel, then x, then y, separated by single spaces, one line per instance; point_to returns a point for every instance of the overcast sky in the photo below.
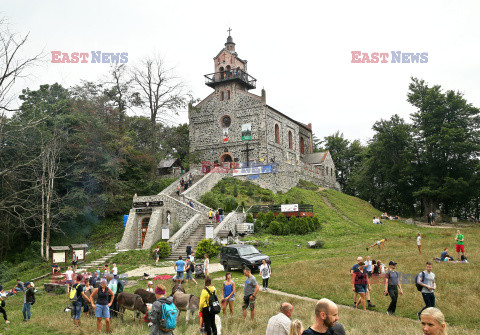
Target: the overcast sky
pixel 299 51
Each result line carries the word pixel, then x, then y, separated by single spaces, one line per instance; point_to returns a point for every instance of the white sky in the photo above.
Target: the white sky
pixel 300 52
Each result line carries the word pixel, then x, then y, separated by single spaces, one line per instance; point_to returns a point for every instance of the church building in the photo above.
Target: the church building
pixel 237 128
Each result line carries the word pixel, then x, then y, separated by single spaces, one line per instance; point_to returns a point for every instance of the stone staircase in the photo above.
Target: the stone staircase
pixel 195 178
pixel 195 237
pixel 98 262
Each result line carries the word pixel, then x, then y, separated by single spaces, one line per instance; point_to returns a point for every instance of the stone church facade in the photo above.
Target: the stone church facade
pixel 234 127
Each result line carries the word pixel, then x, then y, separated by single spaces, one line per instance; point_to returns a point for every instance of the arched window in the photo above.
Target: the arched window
pixel 302 146
pixel 290 140
pixel 222 95
pixel 227 71
pixel 222 73
pixel 228 94
pixel 277 134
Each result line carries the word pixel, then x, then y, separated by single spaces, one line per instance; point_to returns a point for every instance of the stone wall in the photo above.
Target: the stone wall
pixel 173 186
pixel 205 184
pixel 184 233
pixel 229 223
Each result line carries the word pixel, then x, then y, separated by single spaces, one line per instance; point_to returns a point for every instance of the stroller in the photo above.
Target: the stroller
pixel 199 273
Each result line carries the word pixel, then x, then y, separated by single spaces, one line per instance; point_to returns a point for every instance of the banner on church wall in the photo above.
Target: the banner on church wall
pixel 225 135
pixel 256 169
pixel 246 132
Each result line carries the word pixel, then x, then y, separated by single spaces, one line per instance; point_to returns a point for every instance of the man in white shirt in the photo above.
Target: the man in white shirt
pixel 280 324
pixel 115 271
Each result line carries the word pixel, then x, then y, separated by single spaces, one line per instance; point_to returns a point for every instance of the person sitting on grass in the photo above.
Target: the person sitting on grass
pixel 55 269
pixel 380 244
pixel 445 256
pixel 432 321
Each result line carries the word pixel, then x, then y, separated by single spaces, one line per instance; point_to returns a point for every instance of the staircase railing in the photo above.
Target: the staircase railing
pixel 185 231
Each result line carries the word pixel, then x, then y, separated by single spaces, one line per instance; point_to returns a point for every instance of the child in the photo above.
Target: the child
pixel 150 287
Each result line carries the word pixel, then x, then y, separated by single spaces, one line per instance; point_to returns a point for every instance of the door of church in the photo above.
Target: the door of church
pixel 145 222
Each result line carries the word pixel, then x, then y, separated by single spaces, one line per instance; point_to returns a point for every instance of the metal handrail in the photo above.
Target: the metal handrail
pixel 230 74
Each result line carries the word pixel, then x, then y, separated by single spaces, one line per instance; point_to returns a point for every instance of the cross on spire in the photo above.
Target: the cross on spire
pixel 229 30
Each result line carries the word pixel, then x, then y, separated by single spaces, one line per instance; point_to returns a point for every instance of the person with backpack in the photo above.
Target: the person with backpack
pixel 28 301
pixel 2 305
pixel 77 296
pixel 425 282
pixel 162 314
pixel 190 268
pixel 265 272
pixel 209 306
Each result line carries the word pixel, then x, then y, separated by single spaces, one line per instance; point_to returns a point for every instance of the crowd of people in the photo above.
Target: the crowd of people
pixel 215 216
pixel 184 184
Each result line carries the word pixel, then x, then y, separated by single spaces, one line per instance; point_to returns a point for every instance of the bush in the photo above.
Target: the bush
pixel 235 190
pixel 209 199
pixel 230 204
pixel 222 187
pixel 275 228
pixel 281 218
pixel 286 227
pixel 164 251
pixel 249 218
pixel 266 198
pixel 250 190
pixel 206 247
pixel 269 217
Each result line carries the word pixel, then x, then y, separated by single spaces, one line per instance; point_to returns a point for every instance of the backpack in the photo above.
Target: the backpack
pixel 213 304
pixel 169 314
pixel 419 287
pixel 73 293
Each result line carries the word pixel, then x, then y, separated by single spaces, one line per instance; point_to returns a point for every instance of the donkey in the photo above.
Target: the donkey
pixel 147 297
pixel 185 302
pixel 131 302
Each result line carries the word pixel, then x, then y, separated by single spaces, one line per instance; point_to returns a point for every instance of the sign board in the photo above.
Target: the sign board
pixel 256 169
pixel 254 176
pixel 80 254
pixel 246 132
pixel 289 208
pixel 165 233
pixel 209 232
pixel 58 257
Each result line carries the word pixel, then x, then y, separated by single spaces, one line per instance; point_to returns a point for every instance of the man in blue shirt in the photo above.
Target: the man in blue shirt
pixel 180 269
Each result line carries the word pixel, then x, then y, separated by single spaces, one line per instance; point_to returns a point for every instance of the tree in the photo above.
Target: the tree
pixel 446 132
pixel 161 92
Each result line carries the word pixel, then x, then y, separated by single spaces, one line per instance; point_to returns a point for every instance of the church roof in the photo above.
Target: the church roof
pixel 315 158
pixel 288 117
pixel 166 163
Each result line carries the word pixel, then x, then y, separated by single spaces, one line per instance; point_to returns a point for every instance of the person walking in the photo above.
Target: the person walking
pixel 179 267
pixel 208 318
pixel 250 293
pixel 433 322
pixel 190 268
pixel 28 301
pixel 220 212
pixel 113 286
pixel 228 291
pixel 78 299
pixel 155 313
pixel 392 287
pixel 102 307
pixel 69 278
pixel 156 255
pixel 179 187
pixel 115 271
pixel 189 249
pixel 210 216
pixel 206 264
pixel 427 280
pixel 360 284
pixel 459 244
pixel 369 267
pixel 326 317
pixel 280 324
pixel 2 305
pixel 265 272
pixel 352 273
pixel 74 261
pixel 419 243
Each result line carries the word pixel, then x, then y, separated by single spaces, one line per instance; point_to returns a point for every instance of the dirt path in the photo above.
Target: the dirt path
pixel 167 270
pixel 325 200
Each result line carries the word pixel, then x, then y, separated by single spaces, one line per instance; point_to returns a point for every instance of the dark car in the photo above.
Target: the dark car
pixel 240 256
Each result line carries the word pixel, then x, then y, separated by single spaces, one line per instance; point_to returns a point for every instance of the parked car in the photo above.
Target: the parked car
pixel 239 256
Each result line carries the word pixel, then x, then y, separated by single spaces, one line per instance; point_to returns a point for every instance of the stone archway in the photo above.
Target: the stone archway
pixel 145 222
pixel 226 157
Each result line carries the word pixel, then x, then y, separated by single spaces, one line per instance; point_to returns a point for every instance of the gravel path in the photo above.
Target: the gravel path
pixel 168 270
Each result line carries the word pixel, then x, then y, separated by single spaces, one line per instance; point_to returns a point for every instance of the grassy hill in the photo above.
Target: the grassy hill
pixel 346 229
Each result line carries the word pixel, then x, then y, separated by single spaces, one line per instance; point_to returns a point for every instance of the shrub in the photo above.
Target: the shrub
pixel 222 187
pixel 235 190
pixel 249 218
pixel 260 218
pixel 316 223
pixel 266 198
pixel 269 217
pixel 281 218
pixel 286 227
pixel 209 199
pixel 230 204
pixel 275 228
pixel 164 251
pixel 250 190
pixel 206 247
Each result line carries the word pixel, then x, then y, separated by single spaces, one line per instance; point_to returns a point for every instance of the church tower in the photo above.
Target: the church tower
pixel 230 72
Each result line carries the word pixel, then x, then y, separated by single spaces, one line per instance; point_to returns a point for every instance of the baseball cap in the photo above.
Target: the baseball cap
pixel 27 283
pixel 392 263
pixel 150 283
